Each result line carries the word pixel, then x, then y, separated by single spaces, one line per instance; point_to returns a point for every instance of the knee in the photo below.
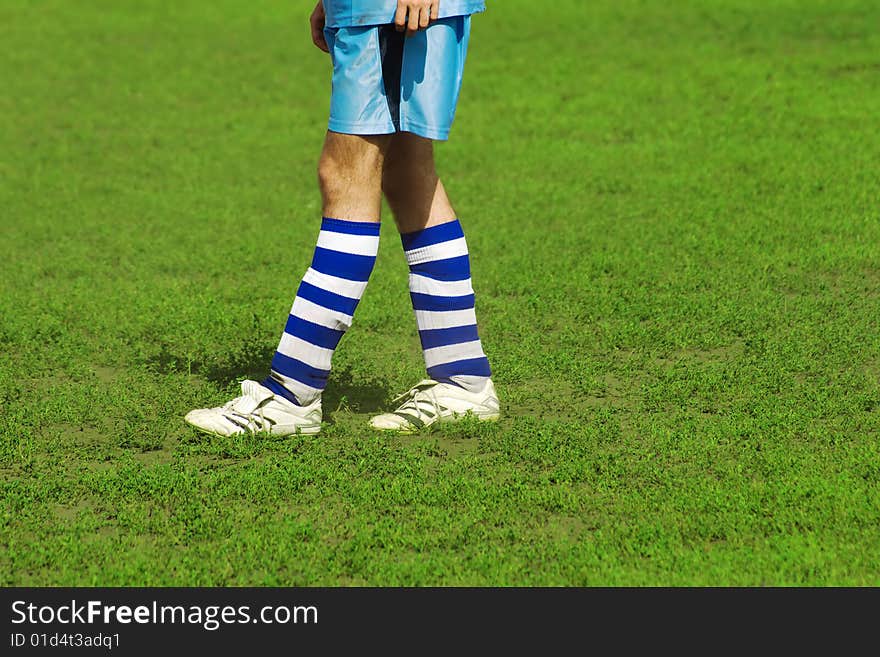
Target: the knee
pixel 338 174
pixel 330 176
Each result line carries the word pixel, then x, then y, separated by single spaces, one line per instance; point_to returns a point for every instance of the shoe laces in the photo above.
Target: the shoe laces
pixel 422 392
pixel 247 407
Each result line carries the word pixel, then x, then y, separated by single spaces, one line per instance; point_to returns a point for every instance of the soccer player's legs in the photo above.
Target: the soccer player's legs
pixel 442 295
pixel 350 174
pixel 459 376
pixel 384 92
pixel 289 400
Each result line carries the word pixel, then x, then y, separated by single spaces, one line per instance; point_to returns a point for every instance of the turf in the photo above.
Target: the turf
pixel 672 210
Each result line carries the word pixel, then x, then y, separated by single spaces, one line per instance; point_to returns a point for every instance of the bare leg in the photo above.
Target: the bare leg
pixel 411 184
pixel 350 176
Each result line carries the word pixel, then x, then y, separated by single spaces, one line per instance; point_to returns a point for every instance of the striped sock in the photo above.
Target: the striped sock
pixel 443 300
pixel 323 309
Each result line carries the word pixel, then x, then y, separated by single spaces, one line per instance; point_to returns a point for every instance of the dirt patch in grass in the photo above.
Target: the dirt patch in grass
pixel 107 373
pixel 728 352
pixel 74 435
pixel 69 513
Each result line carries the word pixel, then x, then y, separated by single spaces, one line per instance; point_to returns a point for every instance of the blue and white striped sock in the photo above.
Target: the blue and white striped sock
pixel 443 300
pixel 323 309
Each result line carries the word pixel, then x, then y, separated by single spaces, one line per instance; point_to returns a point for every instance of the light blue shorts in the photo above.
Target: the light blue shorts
pixel 385 82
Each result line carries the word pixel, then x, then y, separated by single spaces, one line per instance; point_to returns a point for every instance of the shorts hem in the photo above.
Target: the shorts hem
pixel 424 131
pixel 361 128
pixel 375 129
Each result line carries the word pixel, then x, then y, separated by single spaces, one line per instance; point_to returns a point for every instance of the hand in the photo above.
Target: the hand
pixel 317 20
pixel 413 15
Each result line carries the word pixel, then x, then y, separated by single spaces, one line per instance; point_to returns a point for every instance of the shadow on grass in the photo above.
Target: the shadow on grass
pixel 345 389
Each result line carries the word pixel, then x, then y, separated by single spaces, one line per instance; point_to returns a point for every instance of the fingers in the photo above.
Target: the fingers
pixel 413 24
pixel 424 17
pixel 400 16
pixel 414 15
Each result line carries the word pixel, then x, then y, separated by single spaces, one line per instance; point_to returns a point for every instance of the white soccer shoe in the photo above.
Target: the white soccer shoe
pixel 258 410
pixel 430 401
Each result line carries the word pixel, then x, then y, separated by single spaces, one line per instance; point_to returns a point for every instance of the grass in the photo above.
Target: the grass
pixel 672 210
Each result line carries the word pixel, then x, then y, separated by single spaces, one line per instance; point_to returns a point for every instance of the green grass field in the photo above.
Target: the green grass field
pixel 673 211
